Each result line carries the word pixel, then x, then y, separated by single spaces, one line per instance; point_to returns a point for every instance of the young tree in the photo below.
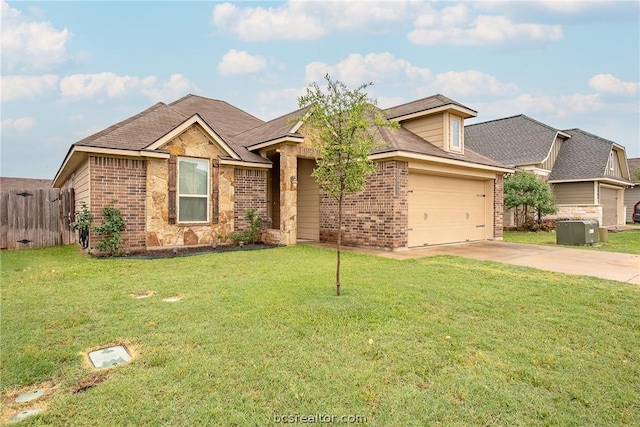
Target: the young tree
pixel 528 190
pixel 342 124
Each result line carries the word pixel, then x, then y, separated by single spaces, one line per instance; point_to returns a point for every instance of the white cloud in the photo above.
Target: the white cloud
pixel 357 69
pixel 482 30
pixel 240 62
pixel 471 83
pixel 541 107
pixel 606 83
pixel 261 24
pixel 177 86
pixel 20 87
pixel 101 84
pixel 308 20
pixel 28 45
pixel 20 124
pixel 457 24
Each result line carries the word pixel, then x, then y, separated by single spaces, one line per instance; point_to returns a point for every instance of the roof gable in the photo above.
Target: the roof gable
pixel 515 141
pixel 427 106
pixel 182 127
pixel 584 156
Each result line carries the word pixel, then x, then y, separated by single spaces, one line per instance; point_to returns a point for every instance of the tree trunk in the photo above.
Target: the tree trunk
pixel 339 242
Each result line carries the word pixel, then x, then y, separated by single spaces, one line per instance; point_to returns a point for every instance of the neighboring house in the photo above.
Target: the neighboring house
pixel 588 173
pixel 8 184
pixel 185 173
pixel 632 195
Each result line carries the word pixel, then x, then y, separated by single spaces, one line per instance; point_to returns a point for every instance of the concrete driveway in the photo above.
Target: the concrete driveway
pixel 606 265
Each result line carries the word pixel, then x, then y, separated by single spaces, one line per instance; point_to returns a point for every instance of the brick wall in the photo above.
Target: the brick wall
pixel 498 207
pixel 377 217
pixel 250 192
pixel 124 180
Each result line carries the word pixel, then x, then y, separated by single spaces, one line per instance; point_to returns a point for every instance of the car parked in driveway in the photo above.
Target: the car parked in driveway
pixel 636 212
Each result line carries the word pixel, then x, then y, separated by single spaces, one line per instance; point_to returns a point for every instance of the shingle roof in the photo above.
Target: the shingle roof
pixel 271 130
pixel 136 132
pixel 584 156
pixel 421 105
pixel 139 131
pixel 514 141
pixel 223 117
pixel 7 184
pixel 404 140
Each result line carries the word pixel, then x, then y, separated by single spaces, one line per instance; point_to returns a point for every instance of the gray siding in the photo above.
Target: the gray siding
pixel 553 154
pixel 574 193
pixel 631 197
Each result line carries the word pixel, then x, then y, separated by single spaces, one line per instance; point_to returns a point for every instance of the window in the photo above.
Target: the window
pixel 455 134
pixel 193 190
pixel 611 159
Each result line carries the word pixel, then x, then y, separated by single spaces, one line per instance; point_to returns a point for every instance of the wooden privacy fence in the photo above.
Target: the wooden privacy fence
pixel 36 218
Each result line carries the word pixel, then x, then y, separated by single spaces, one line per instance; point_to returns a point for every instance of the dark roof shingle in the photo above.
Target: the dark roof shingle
pixel 514 141
pixel 584 156
pixel 420 105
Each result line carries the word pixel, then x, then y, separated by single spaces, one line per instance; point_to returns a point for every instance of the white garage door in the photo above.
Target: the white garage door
pixel 446 210
pixel 609 202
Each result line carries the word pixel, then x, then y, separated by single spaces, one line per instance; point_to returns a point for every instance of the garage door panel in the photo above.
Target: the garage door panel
pixel 609 202
pixel 445 210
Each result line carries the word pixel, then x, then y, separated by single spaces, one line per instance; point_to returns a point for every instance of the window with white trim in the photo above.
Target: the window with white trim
pixel 456 137
pixel 193 190
pixel 611 160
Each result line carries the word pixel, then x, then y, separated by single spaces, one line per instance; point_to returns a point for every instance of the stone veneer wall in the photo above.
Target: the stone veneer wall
pixel 191 143
pixel 376 217
pixel 498 207
pixel 578 212
pixel 124 180
pixel 250 187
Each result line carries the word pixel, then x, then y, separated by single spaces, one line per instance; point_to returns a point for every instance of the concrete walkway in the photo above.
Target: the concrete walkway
pixel 606 265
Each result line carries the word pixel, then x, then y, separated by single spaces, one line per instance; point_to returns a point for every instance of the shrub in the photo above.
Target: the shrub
pixel 112 225
pixel 252 235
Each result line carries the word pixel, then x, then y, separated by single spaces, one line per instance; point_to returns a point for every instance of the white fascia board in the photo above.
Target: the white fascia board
pixel 615 182
pixel 184 126
pixel 431 111
pixel 260 145
pixel 230 162
pixel 79 151
pixel 440 160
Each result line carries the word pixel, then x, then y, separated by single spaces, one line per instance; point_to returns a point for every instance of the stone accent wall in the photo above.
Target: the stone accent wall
pixel 250 188
pixel 193 142
pixel 578 212
pixel 498 207
pixel 376 217
pixel 124 180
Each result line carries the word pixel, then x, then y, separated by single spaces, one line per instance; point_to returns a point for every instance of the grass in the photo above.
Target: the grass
pixel 440 341
pixel 627 241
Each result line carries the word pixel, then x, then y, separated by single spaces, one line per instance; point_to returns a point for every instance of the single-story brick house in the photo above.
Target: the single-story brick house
pixel 185 173
pixel 588 173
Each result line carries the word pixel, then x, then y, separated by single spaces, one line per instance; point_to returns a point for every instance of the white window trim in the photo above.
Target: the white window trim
pixel 459 140
pixel 207 196
pixel 611 160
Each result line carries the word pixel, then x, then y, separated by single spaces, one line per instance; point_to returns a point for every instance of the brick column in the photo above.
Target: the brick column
pixel 288 194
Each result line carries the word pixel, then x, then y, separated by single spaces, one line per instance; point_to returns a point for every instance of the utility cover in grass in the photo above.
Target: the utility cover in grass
pixel 24 414
pixel 110 356
pixel 30 395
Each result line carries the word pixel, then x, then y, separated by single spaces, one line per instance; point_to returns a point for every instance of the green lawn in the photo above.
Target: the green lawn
pixel 625 241
pixel 440 341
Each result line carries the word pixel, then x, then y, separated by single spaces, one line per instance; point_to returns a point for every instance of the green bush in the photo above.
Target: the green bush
pixel 252 235
pixel 112 225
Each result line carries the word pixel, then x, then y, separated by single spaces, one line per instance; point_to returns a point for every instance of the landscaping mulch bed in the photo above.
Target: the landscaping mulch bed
pixel 182 251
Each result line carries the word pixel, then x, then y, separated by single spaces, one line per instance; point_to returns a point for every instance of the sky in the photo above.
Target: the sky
pixel 71 69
